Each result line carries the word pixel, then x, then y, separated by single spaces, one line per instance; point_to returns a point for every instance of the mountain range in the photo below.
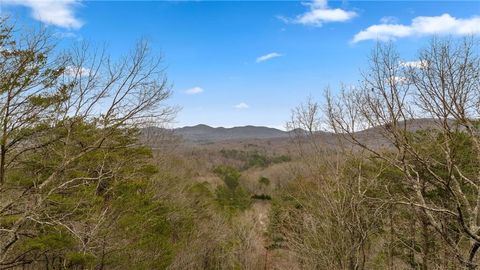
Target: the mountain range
pixel 205 133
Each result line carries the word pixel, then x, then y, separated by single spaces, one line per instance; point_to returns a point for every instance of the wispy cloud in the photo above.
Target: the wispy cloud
pixel 268 57
pixel 194 91
pixel 414 64
pixel 320 13
pixel 389 20
pixel 73 71
pixel 65 35
pixel 242 105
pixel 421 26
pixel 53 12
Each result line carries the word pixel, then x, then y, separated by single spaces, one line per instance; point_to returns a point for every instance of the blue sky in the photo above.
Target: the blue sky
pixel 249 63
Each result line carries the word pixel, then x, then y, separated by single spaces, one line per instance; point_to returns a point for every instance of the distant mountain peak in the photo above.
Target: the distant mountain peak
pixel 205 133
pixel 198 126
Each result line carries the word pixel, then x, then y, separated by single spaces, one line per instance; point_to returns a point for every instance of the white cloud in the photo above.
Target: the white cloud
pixel 383 32
pixel 242 105
pixel 193 91
pixel 65 35
pixel 421 26
pixel 320 13
pixel 414 64
pixel 72 71
pixel 400 80
pixel 318 3
pixel 268 57
pixel 53 12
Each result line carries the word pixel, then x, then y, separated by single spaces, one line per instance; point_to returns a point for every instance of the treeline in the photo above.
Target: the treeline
pixel 414 204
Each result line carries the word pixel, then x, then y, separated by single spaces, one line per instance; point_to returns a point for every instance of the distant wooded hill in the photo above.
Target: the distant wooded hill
pixel 205 134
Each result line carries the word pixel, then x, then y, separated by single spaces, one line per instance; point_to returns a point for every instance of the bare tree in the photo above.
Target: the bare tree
pixel 442 85
pixel 70 107
pixel 27 74
pixel 331 221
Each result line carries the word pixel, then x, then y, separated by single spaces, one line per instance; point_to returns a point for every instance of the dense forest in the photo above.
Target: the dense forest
pixel 87 183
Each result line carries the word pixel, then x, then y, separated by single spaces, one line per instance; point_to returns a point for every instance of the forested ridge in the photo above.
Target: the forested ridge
pixel 88 182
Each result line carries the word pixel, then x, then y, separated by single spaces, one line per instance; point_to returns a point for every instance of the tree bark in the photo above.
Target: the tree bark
pixel 3 154
pixel 471 257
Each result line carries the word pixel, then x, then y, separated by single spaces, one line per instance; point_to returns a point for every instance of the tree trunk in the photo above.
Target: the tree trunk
pixel 392 232
pixel 3 154
pixel 413 231
pixel 426 244
pixel 471 257
pixel 3 140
